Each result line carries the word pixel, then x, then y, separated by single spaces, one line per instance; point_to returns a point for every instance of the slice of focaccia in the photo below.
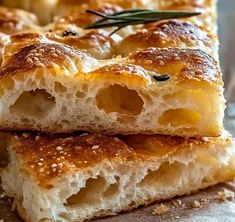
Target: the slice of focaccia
pixel 49 86
pixel 167 79
pixel 83 177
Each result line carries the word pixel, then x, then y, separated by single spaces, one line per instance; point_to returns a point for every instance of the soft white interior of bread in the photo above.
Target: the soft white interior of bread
pixel 113 186
pixel 56 103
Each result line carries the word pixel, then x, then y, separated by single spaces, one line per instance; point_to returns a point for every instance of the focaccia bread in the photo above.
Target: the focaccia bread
pixel 163 78
pixel 83 177
pixel 51 8
pixel 53 87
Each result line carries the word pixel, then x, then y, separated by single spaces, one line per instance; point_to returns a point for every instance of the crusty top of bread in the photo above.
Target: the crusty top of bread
pixel 165 34
pixel 82 19
pixel 36 55
pixel 16 20
pixel 163 4
pixel 189 64
pixel 47 157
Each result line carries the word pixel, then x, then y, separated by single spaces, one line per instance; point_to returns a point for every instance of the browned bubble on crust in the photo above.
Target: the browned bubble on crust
pixel 37 55
pixel 16 20
pixel 96 42
pixel 183 64
pixel 122 70
pixel 172 33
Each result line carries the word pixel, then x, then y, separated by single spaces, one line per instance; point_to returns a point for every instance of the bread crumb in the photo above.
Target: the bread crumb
pixel 177 203
pixel 225 195
pixel 196 204
pixel 1 220
pixel 160 210
pixel 205 201
pixel 25 135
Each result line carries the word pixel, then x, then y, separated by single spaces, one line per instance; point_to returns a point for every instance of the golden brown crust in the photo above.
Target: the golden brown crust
pixel 167 34
pixel 47 156
pixel 16 20
pixel 160 4
pixel 95 4
pixel 96 43
pixel 38 55
pixel 51 156
pixel 118 71
pixel 82 19
pixel 189 64
pixel 31 51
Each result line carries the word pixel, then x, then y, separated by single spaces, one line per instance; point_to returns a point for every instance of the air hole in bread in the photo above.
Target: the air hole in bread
pixel 166 174
pixel 179 117
pixel 59 88
pixel 80 94
pixel 88 194
pixel 4 154
pixel 119 99
pixel 35 104
pixel 112 190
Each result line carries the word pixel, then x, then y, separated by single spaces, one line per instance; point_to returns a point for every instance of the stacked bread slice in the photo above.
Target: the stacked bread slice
pixel 98 130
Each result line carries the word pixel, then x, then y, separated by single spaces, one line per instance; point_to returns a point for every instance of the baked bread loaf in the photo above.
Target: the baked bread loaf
pixel 62 78
pixel 53 87
pixel 83 177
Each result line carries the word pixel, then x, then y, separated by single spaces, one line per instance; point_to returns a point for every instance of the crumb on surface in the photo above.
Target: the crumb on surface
pixel 196 204
pixel 225 195
pixel 161 209
pixel 177 203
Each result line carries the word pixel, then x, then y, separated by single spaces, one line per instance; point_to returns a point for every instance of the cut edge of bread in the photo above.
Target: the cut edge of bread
pixel 117 184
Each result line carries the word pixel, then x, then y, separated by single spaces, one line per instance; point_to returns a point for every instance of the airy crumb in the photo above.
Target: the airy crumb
pixel 196 204
pixel 160 210
pixel 225 195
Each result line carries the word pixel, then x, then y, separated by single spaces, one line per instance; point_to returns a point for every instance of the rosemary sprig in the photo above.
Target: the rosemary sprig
pixel 135 17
